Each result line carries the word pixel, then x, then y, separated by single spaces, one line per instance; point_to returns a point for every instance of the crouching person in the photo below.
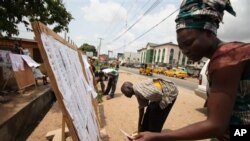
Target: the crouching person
pixel 158 96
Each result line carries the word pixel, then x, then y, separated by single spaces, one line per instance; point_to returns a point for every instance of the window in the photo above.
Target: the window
pixel 158 57
pixel 154 56
pixel 163 55
pixel 171 56
pixel 183 60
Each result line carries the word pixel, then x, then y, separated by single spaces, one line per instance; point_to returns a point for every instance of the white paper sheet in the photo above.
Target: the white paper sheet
pixel 16 62
pixel 30 61
pixel 129 137
pixel 75 91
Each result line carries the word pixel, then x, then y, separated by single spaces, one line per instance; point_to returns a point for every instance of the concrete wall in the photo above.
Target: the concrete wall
pixel 20 117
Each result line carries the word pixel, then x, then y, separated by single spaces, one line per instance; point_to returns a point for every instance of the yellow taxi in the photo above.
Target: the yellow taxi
pixel 158 70
pixel 146 70
pixel 176 73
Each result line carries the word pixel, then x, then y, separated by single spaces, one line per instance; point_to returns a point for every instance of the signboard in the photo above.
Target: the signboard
pixel 67 76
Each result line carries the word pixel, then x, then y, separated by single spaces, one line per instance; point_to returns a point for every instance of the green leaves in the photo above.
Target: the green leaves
pixel 88 48
pixel 49 12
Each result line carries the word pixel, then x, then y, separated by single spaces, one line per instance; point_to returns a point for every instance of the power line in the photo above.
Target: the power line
pixel 139 10
pixel 149 29
pixel 112 30
pixel 139 19
pixel 145 13
pixel 114 17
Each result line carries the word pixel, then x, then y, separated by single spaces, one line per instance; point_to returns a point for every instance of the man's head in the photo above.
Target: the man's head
pixel 127 89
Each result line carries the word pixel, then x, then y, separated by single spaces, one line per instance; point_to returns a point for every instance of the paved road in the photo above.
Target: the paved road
pixel 179 82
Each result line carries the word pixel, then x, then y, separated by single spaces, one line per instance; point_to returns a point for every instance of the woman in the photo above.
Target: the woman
pixel 228 72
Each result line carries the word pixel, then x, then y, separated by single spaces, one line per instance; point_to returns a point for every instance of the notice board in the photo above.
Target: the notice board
pixel 73 92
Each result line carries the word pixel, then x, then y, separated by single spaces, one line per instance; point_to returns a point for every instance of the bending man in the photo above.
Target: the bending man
pixel 158 95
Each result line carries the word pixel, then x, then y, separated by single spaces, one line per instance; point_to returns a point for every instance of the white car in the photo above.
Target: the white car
pixel 201 90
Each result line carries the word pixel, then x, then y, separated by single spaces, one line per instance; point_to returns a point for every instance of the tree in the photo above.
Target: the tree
pixel 88 48
pixel 49 12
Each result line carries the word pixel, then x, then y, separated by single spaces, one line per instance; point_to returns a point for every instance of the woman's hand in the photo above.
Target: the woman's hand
pixel 146 136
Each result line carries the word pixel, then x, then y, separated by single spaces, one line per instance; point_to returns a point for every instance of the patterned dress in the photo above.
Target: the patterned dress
pixel 230 54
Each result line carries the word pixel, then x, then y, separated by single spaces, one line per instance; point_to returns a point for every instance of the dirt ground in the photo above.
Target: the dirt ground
pixel 122 113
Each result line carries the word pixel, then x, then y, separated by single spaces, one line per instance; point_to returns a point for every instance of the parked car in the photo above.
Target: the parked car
pixel 176 73
pixel 144 69
pixel 158 70
pixel 201 90
pixel 137 65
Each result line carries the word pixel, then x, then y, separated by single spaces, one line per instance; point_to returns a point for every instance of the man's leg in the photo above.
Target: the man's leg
pixel 102 86
pixel 44 80
pixel 144 124
pixel 108 86
pixel 114 87
pixel 100 79
pixel 157 116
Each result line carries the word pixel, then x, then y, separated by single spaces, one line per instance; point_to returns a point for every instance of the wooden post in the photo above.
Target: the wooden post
pixel 63 129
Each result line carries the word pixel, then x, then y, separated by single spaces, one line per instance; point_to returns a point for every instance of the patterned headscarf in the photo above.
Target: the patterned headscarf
pixel 202 14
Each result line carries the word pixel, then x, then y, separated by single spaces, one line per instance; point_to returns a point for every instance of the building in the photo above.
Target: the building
pixel 167 54
pixel 103 57
pixel 130 57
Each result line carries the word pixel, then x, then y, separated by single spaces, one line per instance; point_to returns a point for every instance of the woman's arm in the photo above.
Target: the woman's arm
pixel 220 106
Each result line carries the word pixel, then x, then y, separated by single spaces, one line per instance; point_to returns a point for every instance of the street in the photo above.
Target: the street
pixel 191 85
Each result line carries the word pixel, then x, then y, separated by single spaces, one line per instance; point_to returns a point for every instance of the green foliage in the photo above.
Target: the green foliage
pixel 49 12
pixel 99 98
pixel 88 48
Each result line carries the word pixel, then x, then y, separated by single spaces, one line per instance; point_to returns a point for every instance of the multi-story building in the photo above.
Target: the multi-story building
pixel 167 54
pixel 129 57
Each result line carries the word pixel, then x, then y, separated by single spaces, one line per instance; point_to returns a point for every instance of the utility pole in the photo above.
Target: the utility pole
pixel 99 47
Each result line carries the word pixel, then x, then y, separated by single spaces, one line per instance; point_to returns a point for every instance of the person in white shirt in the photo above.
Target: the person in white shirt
pixel 113 78
pixel 39 75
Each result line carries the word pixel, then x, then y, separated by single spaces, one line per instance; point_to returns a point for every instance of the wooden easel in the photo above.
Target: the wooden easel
pixel 58 134
pixel 63 128
pixel 38 29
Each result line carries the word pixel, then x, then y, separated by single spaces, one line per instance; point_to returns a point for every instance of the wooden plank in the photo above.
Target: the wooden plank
pixel 63 129
pixel 57 134
pixel 24 78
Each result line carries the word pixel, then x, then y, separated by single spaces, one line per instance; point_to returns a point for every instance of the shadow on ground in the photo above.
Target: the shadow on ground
pixel 202 110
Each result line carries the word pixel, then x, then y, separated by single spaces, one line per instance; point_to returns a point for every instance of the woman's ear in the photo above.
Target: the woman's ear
pixel 209 34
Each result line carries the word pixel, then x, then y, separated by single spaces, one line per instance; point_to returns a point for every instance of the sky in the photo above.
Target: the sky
pixel 127 25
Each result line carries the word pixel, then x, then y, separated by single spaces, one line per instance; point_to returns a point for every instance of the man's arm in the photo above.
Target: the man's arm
pixel 141 113
pixel 142 104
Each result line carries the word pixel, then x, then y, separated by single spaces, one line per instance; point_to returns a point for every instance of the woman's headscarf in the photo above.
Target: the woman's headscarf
pixel 202 14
